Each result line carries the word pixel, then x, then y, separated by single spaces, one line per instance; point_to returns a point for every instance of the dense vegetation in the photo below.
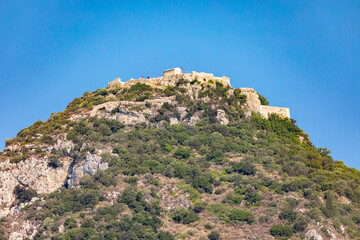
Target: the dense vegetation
pixel 258 164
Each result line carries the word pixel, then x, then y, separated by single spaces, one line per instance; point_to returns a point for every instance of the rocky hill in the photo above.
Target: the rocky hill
pixel 182 156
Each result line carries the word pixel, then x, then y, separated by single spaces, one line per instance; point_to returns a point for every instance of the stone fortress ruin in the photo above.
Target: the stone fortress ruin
pixel 172 76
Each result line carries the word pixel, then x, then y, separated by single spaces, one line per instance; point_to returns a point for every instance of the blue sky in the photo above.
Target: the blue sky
pixel 304 55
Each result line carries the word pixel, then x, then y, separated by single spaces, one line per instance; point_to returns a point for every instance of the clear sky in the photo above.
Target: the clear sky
pixel 304 55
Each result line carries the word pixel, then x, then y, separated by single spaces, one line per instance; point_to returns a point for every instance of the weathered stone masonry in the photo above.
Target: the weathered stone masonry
pixel 171 76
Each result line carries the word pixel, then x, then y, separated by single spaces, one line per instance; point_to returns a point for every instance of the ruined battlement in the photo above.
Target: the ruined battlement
pixel 253 104
pixel 171 76
pixel 281 111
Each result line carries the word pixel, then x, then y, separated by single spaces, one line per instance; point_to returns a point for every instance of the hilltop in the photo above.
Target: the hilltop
pixel 181 156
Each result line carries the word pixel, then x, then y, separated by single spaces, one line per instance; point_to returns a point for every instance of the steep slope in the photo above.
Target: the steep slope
pixel 183 156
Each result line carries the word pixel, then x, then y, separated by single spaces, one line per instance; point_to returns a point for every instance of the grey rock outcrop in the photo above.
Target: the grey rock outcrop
pixel 88 166
pixel 114 83
pixel 61 144
pixel 34 173
pixel 25 230
pixel 221 116
pixel 16 209
pixel 312 235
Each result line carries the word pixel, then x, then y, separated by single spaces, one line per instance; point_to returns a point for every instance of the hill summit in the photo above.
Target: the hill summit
pixel 181 156
pixel 172 76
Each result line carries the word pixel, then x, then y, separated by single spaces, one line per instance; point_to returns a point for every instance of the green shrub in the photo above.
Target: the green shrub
pixel 87 182
pixel 102 92
pixel 88 223
pixel 214 235
pixel 169 91
pixel 118 149
pixel 132 180
pixel 208 226
pixel 232 198
pixel 204 182
pixel 154 181
pixel 219 210
pixel 280 230
pixel 182 152
pixel 79 233
pixel 139 88
pixel 70 223
pixel 167 147
pixel 292 202
pixel 24 194
pixel 165 236
pixel 242 215
pixel 288 214
pixel 252 196
pixel 184 216
pixel 263 100
pixel 89 198
pixel 47 139
pixel 199 206
pixel 144 97
pixel 246 168
pixel 106 178
pixel 300 224
pixel 55 162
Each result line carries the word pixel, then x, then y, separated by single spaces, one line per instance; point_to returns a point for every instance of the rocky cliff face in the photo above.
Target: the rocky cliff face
pixel 88 166
pixel 34 173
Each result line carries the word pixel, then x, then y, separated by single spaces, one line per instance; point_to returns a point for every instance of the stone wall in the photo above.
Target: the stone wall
pixel 253 105
pixel 281 111
pixel 252 100
pixel 171 77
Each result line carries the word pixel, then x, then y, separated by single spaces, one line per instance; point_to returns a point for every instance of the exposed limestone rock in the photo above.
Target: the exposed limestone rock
pixel 182 111
pixel 27 230
pixel 332 235
pixel 12 147
pixel 88 166
pixel 17 209
pixel 114 83
pixel 174 121
pixel 128 112
pixel 77 117
pixel 312 235
pixel 221 116
pixel 194 119
pixel 61 229
pixel 61 144
pixel 34 173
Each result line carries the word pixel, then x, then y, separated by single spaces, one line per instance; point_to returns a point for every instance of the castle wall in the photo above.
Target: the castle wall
pixel 172 76
pixel 252 100
pixel 281 111
pixel 205 77
pixel 150 81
